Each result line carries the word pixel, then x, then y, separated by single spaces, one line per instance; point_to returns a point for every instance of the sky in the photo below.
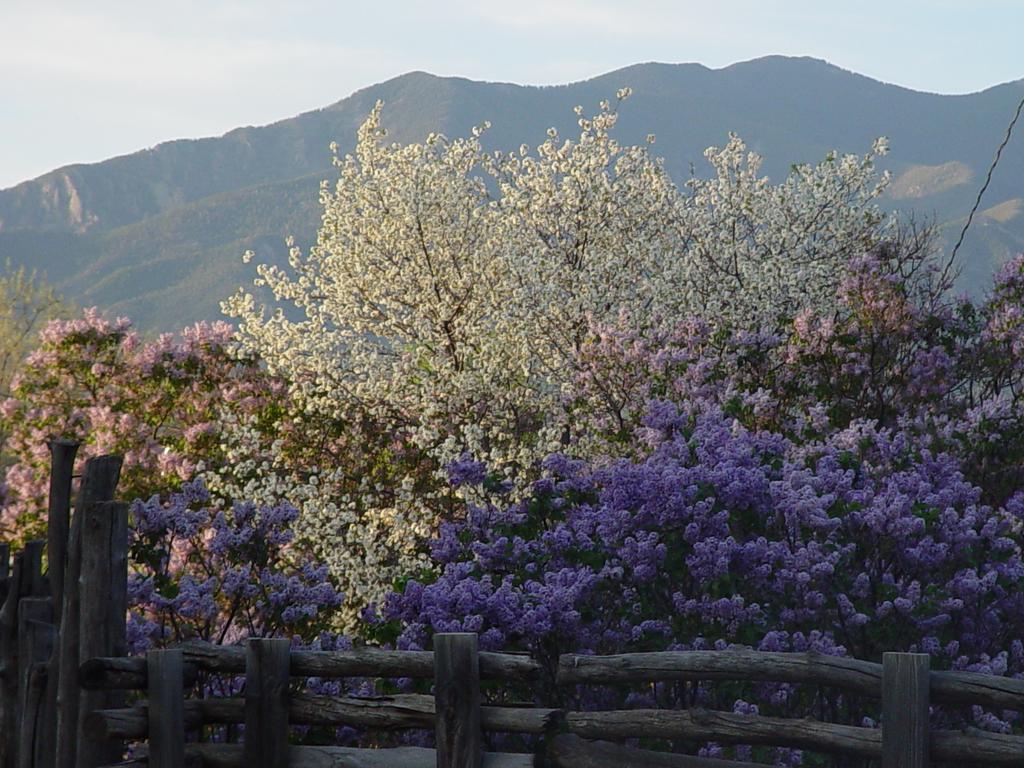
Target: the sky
pixel 86 80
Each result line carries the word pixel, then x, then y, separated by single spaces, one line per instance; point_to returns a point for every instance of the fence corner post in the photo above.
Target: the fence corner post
pixel 905 710
pixel 267 670
pixel 457 700
pixel 166 697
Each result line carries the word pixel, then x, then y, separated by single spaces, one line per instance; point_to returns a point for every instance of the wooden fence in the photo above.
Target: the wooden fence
pixel 570 739
pixel 65 678
pixel 50 621
pixel 269 706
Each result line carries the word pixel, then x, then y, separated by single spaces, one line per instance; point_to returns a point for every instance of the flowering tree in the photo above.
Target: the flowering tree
pixel 451 290
pixel 157 403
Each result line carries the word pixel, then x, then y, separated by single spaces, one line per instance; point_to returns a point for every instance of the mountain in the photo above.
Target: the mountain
pixel 158 234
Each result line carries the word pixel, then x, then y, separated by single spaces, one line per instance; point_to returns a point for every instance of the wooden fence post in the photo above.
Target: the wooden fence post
pixel 36 636
pixel 102 587
pixel 166 696
pixel 99 480
pixel 905 710
pixel 58 520
pixel 5 570
pixel 25 582
pixel 457 700
pixel 33 584
pixel 267 671
pixel 33 587
pixel 9 663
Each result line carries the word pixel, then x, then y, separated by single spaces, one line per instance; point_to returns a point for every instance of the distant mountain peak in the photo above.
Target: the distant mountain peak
pixel 157 234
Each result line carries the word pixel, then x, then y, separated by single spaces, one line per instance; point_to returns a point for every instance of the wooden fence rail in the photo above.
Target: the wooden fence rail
pixel 130 673
pixel 904 683
pixel 65 679
pixel 854 675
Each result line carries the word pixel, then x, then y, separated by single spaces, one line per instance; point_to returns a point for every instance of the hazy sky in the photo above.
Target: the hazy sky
pixel 83 81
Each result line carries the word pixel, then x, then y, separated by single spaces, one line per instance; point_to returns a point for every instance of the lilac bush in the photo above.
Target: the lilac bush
pixel 901 352
pixel 160 403
pixel 849 486
pixel 199 572
pixel 854 544
pixel 728 533
pixel 202 572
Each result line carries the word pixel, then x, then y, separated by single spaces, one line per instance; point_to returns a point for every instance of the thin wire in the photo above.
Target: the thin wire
pixel 988 178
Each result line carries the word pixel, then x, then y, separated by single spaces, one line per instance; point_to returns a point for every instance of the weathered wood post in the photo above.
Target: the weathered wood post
pixel 43 730
pixel 166 696
pixel 457 700
pixel 9 663
pixel 102 593
pixel 25 582
pixel 62 465
pixel 905 709
pixel 36 637
pixel 33 584
pixel 99 480
pixel 58 520
pixel 267 670
pixel 5 570
pixel 33 588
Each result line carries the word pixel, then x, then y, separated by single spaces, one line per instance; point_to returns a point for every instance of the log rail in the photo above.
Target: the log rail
pixel 129 673
pixel 902 681
pixel 862 677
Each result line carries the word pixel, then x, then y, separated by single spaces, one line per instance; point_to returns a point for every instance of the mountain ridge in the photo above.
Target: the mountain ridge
pixel 160 216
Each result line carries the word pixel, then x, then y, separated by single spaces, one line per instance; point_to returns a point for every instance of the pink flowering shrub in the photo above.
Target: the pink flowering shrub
pixel 157 402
